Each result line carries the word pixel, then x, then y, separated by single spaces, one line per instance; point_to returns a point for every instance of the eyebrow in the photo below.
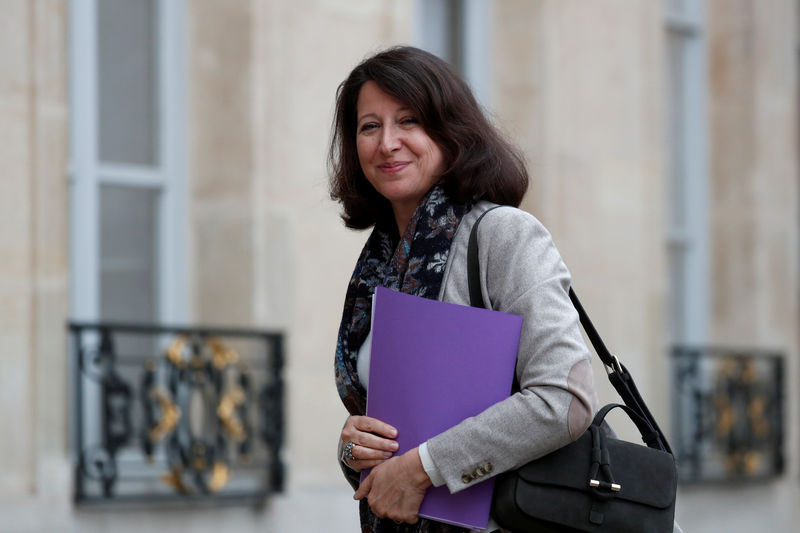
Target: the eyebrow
pixel 365 115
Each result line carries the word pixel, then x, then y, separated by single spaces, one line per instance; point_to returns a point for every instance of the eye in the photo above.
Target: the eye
pixel 409 121
pixel 368 126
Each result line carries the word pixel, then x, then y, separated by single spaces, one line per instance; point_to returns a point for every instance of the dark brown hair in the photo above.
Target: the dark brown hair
pixel 479 163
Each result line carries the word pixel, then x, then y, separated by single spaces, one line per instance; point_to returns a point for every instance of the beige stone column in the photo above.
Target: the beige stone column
pixel 304 255
pixel 579 85
pixel 221 145
pixel 754 176
pixel 753 104
pixel 754 173
pixel 33 245
pixel 270 250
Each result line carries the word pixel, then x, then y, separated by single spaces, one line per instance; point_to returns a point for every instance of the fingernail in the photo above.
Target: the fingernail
pixel 395 445
pixel 392 432
pixel 387 454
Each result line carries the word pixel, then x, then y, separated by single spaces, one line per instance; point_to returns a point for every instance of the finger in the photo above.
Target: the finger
pixel 364 488
pixel 362 453
pixel 373 425
pixel 373 442
pixel 358 466
pixel 370 446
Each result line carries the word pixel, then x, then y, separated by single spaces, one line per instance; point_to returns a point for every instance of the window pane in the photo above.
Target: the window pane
pixel 435 27
pixel 676 81
pixel 676 302
pixel 676 44
pixel 127 81
pixel 676 7
pixel 128 254
pixel 442 29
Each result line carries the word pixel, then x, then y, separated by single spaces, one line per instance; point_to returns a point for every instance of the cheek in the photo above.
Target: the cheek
pixel 365 146
pixel 364 150
pixel 436 159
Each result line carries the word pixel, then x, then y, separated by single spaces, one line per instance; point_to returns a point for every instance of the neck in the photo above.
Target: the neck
pixel 402 222
pixel 402 216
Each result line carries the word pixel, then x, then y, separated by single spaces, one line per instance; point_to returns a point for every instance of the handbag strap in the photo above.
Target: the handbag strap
pixel 645 428
pixel 618 375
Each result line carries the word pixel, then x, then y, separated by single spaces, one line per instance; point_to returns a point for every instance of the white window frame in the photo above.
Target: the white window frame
pixel 88 174
pixel 689 175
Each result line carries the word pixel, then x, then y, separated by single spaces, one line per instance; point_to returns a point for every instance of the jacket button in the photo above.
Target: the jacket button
pixel 466 478
pixel 488 467
pixel 480 471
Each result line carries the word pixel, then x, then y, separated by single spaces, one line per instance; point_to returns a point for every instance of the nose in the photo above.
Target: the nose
pixel 390 139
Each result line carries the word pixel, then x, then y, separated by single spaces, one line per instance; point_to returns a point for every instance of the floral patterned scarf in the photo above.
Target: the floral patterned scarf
pixel 414 265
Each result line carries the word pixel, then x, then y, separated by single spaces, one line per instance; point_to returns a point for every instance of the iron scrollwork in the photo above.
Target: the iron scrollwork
pixel 202 430
pixel 98 361
pixel 728 414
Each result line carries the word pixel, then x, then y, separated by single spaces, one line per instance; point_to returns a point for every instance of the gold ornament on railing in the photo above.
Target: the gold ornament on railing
pixel 220 475
pixel 174 478
pixel 226 411
pixel 175 351
pixel 170 415
pixel 222 356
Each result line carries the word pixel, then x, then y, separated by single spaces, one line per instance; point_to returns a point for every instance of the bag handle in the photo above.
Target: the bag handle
pixel 646 430
pixel 618 375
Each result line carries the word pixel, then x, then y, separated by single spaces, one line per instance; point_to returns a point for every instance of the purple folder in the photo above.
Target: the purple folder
pixel 432 365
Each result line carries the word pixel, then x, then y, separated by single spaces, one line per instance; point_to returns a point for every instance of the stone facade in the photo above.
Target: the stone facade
pixel 753 114
pixel 581 89
pixel 34 243
pixel 585 102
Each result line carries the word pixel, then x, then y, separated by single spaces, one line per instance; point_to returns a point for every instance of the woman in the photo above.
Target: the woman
pixel 413 156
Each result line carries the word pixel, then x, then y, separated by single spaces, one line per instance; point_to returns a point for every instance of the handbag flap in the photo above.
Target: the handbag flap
pixel 646 475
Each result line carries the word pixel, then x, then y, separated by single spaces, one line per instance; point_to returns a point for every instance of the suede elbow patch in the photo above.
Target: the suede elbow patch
pixel 580 383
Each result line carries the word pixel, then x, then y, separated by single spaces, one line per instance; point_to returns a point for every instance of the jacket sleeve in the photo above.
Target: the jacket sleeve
pixel 521 273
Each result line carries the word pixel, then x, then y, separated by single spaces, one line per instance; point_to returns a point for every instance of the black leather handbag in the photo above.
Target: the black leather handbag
pixel 596 483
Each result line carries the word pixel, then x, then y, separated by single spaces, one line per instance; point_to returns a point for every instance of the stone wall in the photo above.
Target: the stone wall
pixel 33 244
pixel 753 119
pixel 580 87
pixel 585 102
pixel 263 78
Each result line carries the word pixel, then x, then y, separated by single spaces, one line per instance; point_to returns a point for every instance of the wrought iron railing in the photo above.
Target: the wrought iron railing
pixel 176 414
pixel 728 414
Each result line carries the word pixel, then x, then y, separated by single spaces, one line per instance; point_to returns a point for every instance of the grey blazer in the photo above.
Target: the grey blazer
pixel 521 273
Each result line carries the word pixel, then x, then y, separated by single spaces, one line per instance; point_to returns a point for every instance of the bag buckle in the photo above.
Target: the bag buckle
pixel 615 366
pixel 596 484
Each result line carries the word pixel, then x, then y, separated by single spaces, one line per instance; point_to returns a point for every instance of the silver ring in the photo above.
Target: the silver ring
pixel 348 451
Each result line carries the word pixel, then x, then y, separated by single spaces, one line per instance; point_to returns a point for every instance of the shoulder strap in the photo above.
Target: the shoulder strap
pixel 473 264
pixel 618 375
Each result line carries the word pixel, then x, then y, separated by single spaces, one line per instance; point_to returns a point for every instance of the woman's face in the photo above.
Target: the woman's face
pixel 397 156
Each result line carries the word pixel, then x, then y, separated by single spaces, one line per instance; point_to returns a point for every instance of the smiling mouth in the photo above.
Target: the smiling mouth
pixel 393 167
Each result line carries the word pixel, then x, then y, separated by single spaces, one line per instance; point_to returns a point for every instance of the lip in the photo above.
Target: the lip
pixel 393 167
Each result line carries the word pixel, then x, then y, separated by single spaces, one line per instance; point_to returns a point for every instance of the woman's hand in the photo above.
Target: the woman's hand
pixel 373 441
pixel 395 489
